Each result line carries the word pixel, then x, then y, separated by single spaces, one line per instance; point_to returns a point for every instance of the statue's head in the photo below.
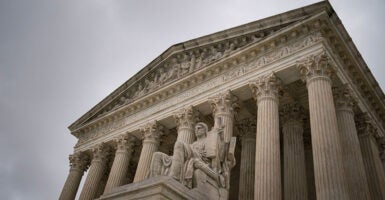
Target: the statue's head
pixel 201 129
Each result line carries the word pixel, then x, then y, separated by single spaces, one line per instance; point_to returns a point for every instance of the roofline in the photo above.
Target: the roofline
pixel 204 40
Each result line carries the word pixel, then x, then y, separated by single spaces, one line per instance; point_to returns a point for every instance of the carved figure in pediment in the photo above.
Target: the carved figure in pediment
pixel 185 66
pixel 161 76
pixel 230 47
pixel 209 158
pixel 140 90
pixel 215 54
pixel 150 84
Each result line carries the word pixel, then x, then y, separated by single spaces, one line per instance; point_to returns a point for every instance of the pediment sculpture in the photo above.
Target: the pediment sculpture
pixel 208 160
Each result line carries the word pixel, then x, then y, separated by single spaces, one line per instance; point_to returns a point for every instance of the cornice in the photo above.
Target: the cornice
pixel 261 27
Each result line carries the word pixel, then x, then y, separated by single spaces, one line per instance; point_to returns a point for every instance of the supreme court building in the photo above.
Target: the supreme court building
pixel 280 108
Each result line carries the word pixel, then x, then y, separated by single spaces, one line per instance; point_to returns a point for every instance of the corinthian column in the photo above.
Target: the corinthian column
pixel 371 158
pixel 96 172
pixel 120 166
pixel 246 177
pixel 267 159
pixel 185 120
pixel 327 154
pixel 351 151
pixel 151 134
pixel 223 106
pixel 79 163
pixel 293 152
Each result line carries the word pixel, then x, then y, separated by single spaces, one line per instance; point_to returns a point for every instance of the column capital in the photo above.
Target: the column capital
pixel 151 132
pixel 224 103
pixel 247 128
pixel 344 98
pixel 267 86
pixel 186 117
pixel 79 161
pixel 365 126
pixel 124 142
pixel 101 152
pixel 316 66
pixel 292 112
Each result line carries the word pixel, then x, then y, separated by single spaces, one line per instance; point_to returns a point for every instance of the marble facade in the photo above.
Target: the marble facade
pixel 294 111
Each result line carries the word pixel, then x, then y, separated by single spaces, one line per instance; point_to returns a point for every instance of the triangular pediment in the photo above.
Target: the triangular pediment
pixel 183 59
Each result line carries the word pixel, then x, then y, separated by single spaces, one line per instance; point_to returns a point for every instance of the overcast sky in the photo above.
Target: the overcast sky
pixel 60 58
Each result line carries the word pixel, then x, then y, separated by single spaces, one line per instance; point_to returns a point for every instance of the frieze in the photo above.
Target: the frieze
pixel 242 67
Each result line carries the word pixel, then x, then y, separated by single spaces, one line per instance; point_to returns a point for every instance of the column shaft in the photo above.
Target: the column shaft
pixel 351 150
pixel 185 120
pixel 328 164
pixel 267 151
pixel 246 178
pixel 373 166
pixel 121 163
pixel 295 186
pixel 95 174
pixel 151 133
pixel 79 164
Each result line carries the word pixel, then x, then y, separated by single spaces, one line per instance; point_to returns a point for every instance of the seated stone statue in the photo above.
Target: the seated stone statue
pixel 208 154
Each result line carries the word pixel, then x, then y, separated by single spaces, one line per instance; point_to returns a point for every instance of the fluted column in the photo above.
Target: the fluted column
pixel 295 186
pixel 223 106
pixel 120 166
pixel 96 172
pixel 351 150
pixel 247 165
pixel 372 162
pixel 328 164
pixel 78 163
pixel 267 183
pixel 185 120
pixel 151 134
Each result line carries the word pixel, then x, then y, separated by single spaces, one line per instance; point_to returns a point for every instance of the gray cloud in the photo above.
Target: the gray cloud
pixel 60 58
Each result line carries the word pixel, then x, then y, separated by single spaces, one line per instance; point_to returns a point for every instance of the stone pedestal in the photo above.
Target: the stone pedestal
pixel 295 185
pixel 151 133
pixel 120 166
pixel 79 164
pixel 185 120
pixel 96 173
pixel 247 165
pixel 328 164
pixel 155 188
pixel 267 153
pixel 351 150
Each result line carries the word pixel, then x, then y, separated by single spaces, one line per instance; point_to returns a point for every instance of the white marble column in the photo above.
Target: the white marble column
pixel 247 165
pixel 267 183
pixel 223 106
pixel 295 186
pixel 151 134
pixel 351 150
pixel 327 153
pixel 371 157
pixel 79 163
pixel 96 172
pixel 120 166
pixel 185 120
